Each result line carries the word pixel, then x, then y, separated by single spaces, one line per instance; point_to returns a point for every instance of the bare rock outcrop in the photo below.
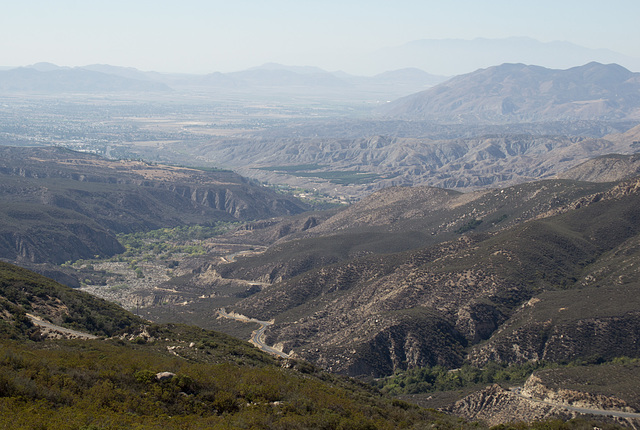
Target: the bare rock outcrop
pixel 538 401
pixel 496 405
pixel 536 389
pixel 164 376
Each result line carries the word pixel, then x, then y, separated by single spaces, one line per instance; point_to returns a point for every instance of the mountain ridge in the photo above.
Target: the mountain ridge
pixel 464 163
pixel 518 92
pixel 49 78
pixel 366 314
pixel 459 56
pixel 62 80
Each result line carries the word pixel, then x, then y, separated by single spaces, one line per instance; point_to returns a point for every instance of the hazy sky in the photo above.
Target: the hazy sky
pixel 201 36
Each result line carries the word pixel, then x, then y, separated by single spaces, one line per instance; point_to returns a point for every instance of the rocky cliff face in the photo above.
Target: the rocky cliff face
pixel 535 388
pixel 379 344
pixel 496 405
pixel 59 205
pixel 69 242
pixel 537 401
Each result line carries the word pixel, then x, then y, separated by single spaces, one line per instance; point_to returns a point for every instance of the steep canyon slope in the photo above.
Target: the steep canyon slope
pixel 538 290
pixel 399 219
pixel 60 205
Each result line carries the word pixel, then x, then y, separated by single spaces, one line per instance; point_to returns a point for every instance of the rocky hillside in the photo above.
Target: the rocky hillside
pixel 608 168
pixel 603 393
pixel 527 292
pixel 141 375
pixel 495 405
pixel 357 166
pixel 522 93
pixel 23 291
pixel 608 386
pixel 403 218
pixel 60 205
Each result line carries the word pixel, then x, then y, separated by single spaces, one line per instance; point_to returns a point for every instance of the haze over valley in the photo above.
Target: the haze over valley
pixel 424 226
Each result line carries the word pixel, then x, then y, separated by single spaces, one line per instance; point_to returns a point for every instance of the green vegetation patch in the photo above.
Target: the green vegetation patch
pixel 438 378
pixel 340 177
pixel 167 241
pixel 346 177
pixel 605 377
pixel 98 384
pixel 471 225
pixel 293 169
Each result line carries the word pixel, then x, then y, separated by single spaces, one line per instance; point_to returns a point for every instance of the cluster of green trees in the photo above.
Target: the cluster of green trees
pixel 343 177
pixel 154 245
pixel 438 378
pixel 471 225
pixel 167 241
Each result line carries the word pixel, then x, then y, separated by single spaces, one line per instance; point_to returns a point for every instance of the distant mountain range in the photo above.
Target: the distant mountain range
pixel 52 79
pixel 98 78
pixel 522 93
pixel 404 67
pixel 458 56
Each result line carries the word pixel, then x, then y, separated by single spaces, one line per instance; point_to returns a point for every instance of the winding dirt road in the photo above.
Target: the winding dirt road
pixel 66 332
pixel 257 337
